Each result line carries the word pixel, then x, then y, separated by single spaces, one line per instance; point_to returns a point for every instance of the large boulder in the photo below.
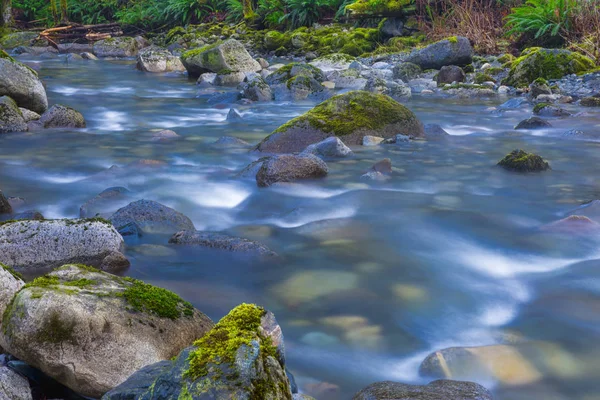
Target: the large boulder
pixel 59 116
pixel 10 283
pixel 290 168
pixel 90 330
pixel 5 207
pixel 16 39
pixel 227 56
pixel 537 63
pixel 11 117
pixel 242 357
pixel 117 47
pixel 436 390
pixel 22 84
pixel 34 247
pixel 13 386
pixel 220 241
pixel 350 117
pixel 148 216
pixel 156 59
pixel 455 50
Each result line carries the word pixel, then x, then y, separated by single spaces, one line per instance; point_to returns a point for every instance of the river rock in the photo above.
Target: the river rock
pixel 592 101
pixel 242 357
pixel 13 386
pixel 156 59
pixel 16 39
pixel 533 123
pixel 164 136
pixel 117 47
pixel 38 246
pixel 10 283
pixel 332 147
pixel 455 50
pixel 151 217
pixel 11 118
pixel 225 142
pixel 256 89
pixel 90 330
pixel 5 207
pixel 59 116
pixel 332 62
pixel 229 55
pixel 350 117
pixel 29 115
pixel 290 168
pixel 450 74
pixel 105 203
pixel 436 390
pixel 22 84
pixel 220 241
pixel 550 110
pixel 539 87
pixel 435 132
pixel 406 71
pixel 234 116
pixel 283 75
pixel 231 79
pixel 537 63
pixel 521 161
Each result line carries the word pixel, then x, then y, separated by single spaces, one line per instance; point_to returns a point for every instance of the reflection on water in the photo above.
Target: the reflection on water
pixel 373 276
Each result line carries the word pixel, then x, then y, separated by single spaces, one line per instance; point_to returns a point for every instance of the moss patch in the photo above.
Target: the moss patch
pixel 521 161
pixel 11 271
pixel 481 78
pixel 143 297
pixel 56 330
pixel 378 8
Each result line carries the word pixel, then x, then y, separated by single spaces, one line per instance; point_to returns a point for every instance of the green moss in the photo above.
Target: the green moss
pixel 481 78
pixel 540 81
pixel 11 271
pixel 143 297
pixel 539 107
pixel 452 39
pixel 494 70
pixel 380 8
pixel 505 58
pixel 344 114
pixel 275 40
pixel 56 330
pixel 521 161
pixel 220 345
pixel 463 86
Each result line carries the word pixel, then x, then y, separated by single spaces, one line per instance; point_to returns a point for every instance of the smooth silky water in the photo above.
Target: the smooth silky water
pixel 448 252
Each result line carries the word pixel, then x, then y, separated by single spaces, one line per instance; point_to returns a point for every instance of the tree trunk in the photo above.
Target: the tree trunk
pixel 5 13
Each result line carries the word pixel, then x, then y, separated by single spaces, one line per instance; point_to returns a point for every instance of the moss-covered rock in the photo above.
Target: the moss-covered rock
pixel 592 101
pixel 10 283
pixel 11 118
pixel 155 59
pixel 350 117
pixel 59 116
pixel 256 89
pixel 481 78
pixel 230 56
pixel 90 330
pixel 406 71
pixel 455 50
pixel 16 39
pixel 375 8
pixel 274 40
pixel 117 47
pixel 521 161
pixel 22 84
pixel 537 62
pixel 292 70
pixel 550 110
pixel 242 357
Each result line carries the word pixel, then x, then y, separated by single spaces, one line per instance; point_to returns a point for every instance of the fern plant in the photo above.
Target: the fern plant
pixel 304 12
pixel 542 18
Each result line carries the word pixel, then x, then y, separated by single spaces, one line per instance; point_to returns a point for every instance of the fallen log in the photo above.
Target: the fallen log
pixel 76 32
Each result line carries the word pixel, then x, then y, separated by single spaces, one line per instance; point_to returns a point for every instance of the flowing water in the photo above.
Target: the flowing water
pixel 373 276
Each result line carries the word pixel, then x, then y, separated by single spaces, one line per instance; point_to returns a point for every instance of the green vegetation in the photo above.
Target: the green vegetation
pixel 12 272
pixel 143 297
pixel 521 161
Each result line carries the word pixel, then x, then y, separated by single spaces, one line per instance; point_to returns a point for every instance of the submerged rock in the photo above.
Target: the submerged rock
pixel 533 123
pixel 331 147
pixel 290 168
pixel 155 59
pixel 435 132
pixel 230 142
pixel 455 50
pixel 11 118
pixel 242 357
pixel 520 161
pixel 90 330
pixel 59 116
pixel 22 84
pixel 38 246
pixel 436 390
pixel 220 241
pixel 349 116
pixel 13 386
pixel 230 56
pixel 105 203
pixel 151 217
pixel 234 115
pixel 117 47
pixel 164 135
pixel 537 63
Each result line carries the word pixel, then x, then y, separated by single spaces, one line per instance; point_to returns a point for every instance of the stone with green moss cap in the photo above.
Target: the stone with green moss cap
pixel 242 357
pixel 22 84
pixel 60 116
pixel 35 247
pixel 537 63
pixel 521 161
pixel 11 117
pixel 16 39
pixel 456 50
pixel 90 330
pixel 349 116
pixel 230 56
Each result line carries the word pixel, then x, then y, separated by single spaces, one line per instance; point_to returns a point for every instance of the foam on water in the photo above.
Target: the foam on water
pixel 297 220
pixel 308 191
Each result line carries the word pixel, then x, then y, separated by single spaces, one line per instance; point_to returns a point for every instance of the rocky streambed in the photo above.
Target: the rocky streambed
pixel 358 200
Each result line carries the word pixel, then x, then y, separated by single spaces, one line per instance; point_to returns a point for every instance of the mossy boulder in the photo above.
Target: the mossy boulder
pixel 16 39
pixel 230 56
pixel 148 216
pixel 22 84
pixel 537 62
pixel 34 247
pixel 375 8
pixel 550 110
pixel 156 59
pixel 90 330
pixel 539 87
pixel 242 357
pixel 481 78
pixel 257 89
pixel 292 70
pixel 59 116
pixel 11 117
pixel 406 71
pixel 117 47
pixel 349 116
pixel 455 50
pixel 274 40
pixel 521 161
pixel 437 390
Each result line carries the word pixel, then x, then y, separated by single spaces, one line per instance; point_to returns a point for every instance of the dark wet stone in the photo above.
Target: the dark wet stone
pixel 435 132
pixel 234 115
pixel 5 207
pixel 221 241
pixel 590 101
pixel 42 386
pixel 384 166
pixel 59 116
pixel 451 51
pixel 290 168
pixel 138 383
pixel 450 74
pixel 151 217
pixel 521 161
pixel 436 390
pixel 115 262
pixel 105 203
pixel 533 123
pixel 31 214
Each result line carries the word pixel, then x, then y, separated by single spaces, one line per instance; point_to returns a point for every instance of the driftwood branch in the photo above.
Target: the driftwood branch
pixel 76 32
